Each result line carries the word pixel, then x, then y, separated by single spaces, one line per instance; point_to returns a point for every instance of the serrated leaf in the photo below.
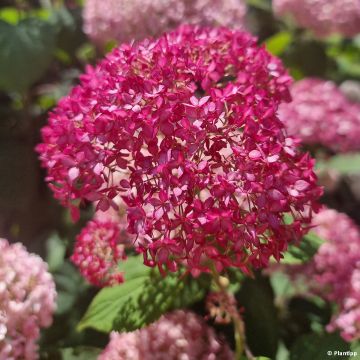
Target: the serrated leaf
pixel 278 43
pixel 26 52
pixel 345 164
pixel 141 299
pixel 304 251
pixel 318 347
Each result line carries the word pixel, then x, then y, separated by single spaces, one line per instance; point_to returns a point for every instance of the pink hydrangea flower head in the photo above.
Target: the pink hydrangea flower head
pixel 323 17
pixel 124 20
pixel 27 301
pixel 191 119
pixel 177 335
pixel 320 114
pixel 98 249
pixel 335 270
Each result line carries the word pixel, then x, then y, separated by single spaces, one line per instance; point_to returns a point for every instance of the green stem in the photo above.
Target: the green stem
pixel 235 316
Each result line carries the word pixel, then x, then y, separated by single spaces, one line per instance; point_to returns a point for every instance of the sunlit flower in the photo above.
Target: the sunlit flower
pixel 189 121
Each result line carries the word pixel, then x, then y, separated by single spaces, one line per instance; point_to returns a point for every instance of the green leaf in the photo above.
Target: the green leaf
pixel 55 249
pixel 282 285
pixel 355 347
pixel 260 316
pixel 345 164
pixel 319 347
pixel 80 353
pixel 260 4
pixel 142 299
pixel 304 251
pixel 278 43
pixel 26 52
pixel 69 285
pixel 10 15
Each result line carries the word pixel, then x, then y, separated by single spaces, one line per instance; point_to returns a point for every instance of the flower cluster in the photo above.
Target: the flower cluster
pixel 178 335
pixel 27 301
pixel 124 20
pixel 189 122
pixel 323 17
pixel 321 114
pixel 335 270
pixel 98 250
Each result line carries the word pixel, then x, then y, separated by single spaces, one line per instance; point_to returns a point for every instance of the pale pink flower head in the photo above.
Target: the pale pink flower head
pixel 125 20
pixel 99 248
pixel 334 272
pixel 177 335
pixel 27 301
pixel 323 17
pixel 320 114
pixel 192 119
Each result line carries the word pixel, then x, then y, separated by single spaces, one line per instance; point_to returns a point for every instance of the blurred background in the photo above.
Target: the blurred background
pixel 44 47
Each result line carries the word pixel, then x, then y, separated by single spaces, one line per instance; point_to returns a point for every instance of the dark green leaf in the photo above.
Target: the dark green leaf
pixel 142 299
pixel 319 347
pixel 260 315
pixel 26 52
pixel 69 285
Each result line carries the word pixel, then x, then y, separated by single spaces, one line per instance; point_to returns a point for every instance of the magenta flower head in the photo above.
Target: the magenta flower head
pixel 320 114
pixel 189 122
pixel 98 250
pixel 27 301
pixel 177 335
pixel 125 20
pixel 323 17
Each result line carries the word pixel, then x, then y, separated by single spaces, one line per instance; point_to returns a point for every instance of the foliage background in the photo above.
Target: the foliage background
pixel 42 52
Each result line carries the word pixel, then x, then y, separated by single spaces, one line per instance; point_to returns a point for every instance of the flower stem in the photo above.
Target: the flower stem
pixel 239 330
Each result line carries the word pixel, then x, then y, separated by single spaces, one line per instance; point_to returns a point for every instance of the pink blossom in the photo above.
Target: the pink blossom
pixel 209 169
pixel 124 20
pixel 98 250
pixel 323 17
pixel 27 301
pixel 320 114
pixel 334 272
pixel 178 335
